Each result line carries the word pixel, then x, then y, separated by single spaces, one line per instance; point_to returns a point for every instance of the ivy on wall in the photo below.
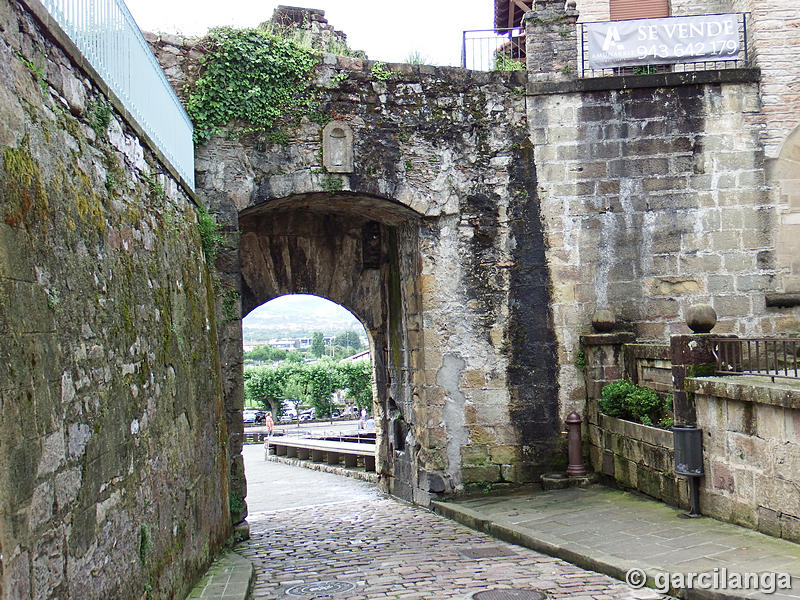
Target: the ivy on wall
pixel 250 76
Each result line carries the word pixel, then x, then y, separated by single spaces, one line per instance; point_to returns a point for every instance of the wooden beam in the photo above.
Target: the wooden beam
pixel 513 5
pixel 522 6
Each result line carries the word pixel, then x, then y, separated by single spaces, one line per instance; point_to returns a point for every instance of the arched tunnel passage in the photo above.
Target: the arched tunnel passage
pixel 362 253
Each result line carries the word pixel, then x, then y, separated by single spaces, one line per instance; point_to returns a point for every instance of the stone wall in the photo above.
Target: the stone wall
pixel 699 7
pixel 632 455
pixel 751 452
pixel 774 47
pixel 593 10
pixel 654 199
pixel 774 34
pixel 113 467
pixel 649 365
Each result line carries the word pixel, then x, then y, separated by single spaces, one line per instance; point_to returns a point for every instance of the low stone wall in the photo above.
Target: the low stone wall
pixel 635 456
pixel 751 453
pixel 649 365
pixel 751 449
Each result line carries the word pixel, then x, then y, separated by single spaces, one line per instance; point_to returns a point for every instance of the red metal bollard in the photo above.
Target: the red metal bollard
pixel 576 467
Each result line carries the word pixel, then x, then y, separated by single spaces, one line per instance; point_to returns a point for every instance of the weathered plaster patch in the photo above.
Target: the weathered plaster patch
pixel 448 378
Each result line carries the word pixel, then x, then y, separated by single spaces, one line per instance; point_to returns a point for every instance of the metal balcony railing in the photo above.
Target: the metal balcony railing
pixel 107 35
pixel 493 49
pixel 767 357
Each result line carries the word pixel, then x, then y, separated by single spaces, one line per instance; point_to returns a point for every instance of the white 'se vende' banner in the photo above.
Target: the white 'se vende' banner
pixel 662 41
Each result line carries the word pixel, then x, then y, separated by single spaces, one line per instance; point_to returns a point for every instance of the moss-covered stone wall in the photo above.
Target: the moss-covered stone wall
pixel 113 460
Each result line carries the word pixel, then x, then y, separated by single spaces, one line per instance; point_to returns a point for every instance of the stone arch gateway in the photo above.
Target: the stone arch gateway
pixel 362 253
pixel 433 238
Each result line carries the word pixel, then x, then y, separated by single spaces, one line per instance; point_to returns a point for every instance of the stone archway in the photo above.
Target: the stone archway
pixel 360 252
pixel 784 172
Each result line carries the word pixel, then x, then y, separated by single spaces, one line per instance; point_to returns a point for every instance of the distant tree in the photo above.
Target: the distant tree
pixel 340 352
pixel 317 344
pixel 266 386
pixel 356 378
pixel 321 379
pixel 265 354
pixel 312 384
pixel 294 357
pixel 349 339
pixel 296 389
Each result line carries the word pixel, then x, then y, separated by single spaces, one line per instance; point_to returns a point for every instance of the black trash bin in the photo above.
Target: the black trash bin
pixel 688 443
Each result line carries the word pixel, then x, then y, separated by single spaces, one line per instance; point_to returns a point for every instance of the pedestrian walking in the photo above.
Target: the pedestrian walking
pixel 270 424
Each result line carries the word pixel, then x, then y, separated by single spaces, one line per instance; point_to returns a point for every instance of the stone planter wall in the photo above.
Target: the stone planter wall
pixel 635 456
pixel 751 448
pixel 649 365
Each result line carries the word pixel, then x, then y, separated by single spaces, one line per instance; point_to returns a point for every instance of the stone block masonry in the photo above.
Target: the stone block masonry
pixel 113 458
pixel 653 198
pixel 751 452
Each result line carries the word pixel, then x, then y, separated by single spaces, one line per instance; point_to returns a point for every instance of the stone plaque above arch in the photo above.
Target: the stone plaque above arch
pixel 337 147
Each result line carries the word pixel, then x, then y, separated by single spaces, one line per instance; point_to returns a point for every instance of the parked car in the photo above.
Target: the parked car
pixel 307 415
pixel 288 417
pixel 253 415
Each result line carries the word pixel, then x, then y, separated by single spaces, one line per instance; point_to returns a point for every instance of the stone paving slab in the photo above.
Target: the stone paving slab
pixel 383 549
pixel 612 531
pixel 317 536
pixel 230 577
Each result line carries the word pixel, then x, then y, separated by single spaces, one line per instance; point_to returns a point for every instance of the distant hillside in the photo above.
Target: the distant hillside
pixel 297 315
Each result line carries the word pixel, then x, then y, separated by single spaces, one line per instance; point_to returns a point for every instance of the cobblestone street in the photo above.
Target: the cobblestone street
pixel 372 547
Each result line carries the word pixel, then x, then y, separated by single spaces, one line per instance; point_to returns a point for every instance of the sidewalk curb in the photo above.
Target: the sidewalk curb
pixel 369 476
pixel 230 577
pixel 614 567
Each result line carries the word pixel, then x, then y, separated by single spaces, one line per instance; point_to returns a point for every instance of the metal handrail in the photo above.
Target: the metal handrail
pixel 766 357
pixel 107 35
pixel 492 49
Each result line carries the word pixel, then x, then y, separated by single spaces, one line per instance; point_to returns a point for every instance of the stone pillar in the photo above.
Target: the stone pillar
pixel 604 358
pixel 551 40
pixel 692 356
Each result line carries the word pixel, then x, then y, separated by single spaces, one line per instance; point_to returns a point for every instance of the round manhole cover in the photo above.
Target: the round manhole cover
pixel 320 588
pixel 509 595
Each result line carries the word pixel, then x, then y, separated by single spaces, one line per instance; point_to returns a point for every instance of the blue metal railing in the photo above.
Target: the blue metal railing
pixel 108 37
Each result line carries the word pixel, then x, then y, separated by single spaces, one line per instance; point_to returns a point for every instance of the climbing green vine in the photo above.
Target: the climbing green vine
pixel 210 236
pixel 250 76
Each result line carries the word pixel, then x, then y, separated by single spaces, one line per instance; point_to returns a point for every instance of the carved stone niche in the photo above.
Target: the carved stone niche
pixel 337 147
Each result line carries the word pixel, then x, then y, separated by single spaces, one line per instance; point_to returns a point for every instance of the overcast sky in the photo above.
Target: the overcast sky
pixel 385 31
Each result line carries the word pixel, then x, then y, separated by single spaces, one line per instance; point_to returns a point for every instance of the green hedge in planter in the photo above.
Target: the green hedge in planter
pixel 625 400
